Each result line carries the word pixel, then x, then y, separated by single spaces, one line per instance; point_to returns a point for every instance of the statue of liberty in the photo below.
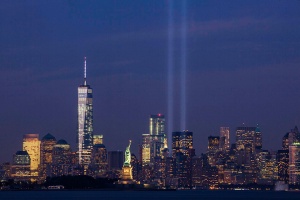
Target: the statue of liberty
pixel 127 155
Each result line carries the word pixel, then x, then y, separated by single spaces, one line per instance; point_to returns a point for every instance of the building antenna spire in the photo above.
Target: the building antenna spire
pixel 84 70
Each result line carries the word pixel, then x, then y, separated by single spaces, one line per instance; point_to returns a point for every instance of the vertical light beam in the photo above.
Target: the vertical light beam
pixel 170 71
pixel 183 67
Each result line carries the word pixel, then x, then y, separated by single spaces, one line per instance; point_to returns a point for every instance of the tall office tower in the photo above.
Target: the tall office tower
pixel 248 135
pixel 296 135
pixel 157 124
pixel 182 152
pixel 268 168
pixel 224 139
pixel 20 169
pixel 140 153
pixel 285 142
pixel 147 174
pixel 170 173
pixel 183 170
pixel 158 140
pixel 97 139
pixel 159 168
pixel 182 142
pixel 31 144
pixel 175 143
pixel 99 164
pixel 213 143
pixel 294 163
pixel 47 143
pixel 85 122
pixel 291 137
pixel 257 138
pixel 115 160
pixel 170 167
pixel 245 135
pixel 283 165
pixel 221 161
pixel 208 174
pixel 212 149
pixel 196 171
pixel 135 167
pixel 146 141
pixel 61 159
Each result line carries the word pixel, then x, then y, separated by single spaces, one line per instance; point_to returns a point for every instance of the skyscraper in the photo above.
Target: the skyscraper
pixel 115 160
pixel 182 142
pixel 224 139
pixel 182 152
pixel 283 165
pixel 245 135
pixel 158 139
pixel 61 158
pixel 20 169
pixel 213 144
pixel 31 144
pixel 47 143
pixel 248 136
pixel 257 138
pixel 268 167
pixel 99 164
pixel 157 124
pixel 212 149
pixel 85 121
pixel 290 138
pixel 146 139
pixel 294 163
pixel 136 169
pixel 285 142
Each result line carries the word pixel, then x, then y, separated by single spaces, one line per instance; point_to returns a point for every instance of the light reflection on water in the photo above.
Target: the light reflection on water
pixel 144 195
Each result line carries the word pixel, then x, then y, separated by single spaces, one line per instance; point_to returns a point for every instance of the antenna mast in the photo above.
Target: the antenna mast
pixel 84 70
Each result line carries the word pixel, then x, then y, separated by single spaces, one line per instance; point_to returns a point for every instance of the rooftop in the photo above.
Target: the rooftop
pixel 61 142
pixel 48 137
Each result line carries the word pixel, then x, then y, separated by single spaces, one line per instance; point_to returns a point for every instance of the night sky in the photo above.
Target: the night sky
pixel 243 66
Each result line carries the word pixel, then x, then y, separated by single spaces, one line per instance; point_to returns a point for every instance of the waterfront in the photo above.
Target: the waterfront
pixel 189 194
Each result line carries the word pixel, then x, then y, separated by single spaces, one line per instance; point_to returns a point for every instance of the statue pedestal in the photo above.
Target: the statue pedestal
pixel 127 176
pixel 127 173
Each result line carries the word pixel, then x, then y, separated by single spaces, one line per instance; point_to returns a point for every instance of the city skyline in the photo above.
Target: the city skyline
pixel 242 67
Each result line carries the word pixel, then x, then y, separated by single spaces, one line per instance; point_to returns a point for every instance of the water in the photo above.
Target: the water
pixel 153 195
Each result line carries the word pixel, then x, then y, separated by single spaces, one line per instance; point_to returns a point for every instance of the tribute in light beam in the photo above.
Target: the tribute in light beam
pixel 183 68
pixel 170 71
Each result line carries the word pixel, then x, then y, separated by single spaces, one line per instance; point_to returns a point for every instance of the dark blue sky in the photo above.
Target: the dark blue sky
pixel 243 66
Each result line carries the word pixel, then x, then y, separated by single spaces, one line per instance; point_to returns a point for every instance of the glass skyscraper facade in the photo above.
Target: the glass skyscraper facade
pixel 47 143
pixel 85 121
pixel 224 139
pixel 158 138
pixel 157 124
pixel 248 136
pixel 182 142
pixel 61 159
pixel 146 141
pixel 20 169
pixel 294 163
pixel 31 144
